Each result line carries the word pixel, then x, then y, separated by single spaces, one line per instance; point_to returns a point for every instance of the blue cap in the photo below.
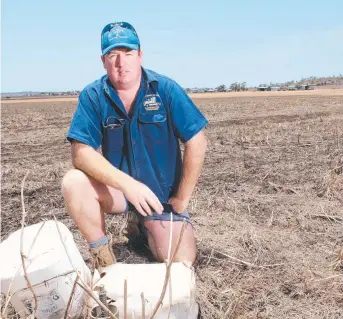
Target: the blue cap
pixel 119 35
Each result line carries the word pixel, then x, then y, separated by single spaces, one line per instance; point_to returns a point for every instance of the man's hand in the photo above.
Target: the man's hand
pixel 179 205
pixel 142 198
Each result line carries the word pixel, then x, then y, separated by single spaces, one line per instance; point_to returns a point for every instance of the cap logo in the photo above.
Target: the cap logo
pixel 116 32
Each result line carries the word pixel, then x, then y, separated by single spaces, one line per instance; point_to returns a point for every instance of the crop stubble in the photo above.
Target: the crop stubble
pixel 262 210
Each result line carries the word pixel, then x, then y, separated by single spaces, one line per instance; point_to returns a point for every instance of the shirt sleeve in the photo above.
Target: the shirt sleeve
pixel 186 117
pixel 86 123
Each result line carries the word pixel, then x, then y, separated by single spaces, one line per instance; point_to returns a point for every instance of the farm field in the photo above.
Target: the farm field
pixel 267 211
pixel 318 91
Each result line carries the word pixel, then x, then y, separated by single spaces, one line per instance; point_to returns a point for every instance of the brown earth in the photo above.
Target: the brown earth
pixel 267 211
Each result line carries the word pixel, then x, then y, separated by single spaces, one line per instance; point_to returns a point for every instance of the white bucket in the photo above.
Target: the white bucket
pixel 149 279
pixel 48 268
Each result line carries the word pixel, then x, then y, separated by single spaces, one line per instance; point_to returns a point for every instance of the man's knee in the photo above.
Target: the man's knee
pixel 189 259
pixel 158 236
pixel 74 179
pixel 187 256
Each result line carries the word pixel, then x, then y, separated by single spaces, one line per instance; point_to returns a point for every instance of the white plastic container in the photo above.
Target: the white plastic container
pixel 49 271
pixel 149 278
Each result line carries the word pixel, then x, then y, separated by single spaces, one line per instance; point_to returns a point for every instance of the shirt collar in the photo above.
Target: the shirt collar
pixel 150 77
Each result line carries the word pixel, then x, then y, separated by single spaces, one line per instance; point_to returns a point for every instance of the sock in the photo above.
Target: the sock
pixel 100 242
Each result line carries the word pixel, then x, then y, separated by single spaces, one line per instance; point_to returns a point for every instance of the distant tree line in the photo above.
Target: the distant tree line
pixel 236 87
pixel 242 86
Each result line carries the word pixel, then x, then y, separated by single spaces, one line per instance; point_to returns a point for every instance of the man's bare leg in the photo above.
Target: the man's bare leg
pixel 87 200
pixel 158 238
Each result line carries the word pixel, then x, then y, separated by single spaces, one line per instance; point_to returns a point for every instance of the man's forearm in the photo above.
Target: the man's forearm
pixel 193 160
pixel 91 162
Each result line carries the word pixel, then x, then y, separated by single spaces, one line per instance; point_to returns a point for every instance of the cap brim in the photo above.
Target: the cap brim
pixel 120 45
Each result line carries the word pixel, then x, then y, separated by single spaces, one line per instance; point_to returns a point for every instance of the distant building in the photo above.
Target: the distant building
pixel 306 87
pixel 262 88
pixel 210 90
pixel 268 88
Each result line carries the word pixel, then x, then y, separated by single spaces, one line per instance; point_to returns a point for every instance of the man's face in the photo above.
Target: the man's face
pixel 123 66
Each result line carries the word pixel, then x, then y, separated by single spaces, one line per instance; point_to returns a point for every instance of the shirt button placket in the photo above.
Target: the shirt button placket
pixel 135 150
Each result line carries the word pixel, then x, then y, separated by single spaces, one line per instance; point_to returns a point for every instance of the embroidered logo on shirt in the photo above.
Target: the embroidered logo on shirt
pixel 152 102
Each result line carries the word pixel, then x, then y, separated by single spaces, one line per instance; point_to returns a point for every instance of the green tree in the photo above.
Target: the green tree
pixel 235 87
pixel 221 88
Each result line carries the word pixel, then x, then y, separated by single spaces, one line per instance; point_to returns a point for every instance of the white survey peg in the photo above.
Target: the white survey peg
pixel 147 280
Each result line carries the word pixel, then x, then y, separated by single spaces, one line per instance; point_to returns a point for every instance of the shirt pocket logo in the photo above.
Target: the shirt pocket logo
pixel 152 102
pixel 152 117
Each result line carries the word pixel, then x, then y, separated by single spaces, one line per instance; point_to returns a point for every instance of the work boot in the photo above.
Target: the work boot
pixel 131 227
pixel 103 256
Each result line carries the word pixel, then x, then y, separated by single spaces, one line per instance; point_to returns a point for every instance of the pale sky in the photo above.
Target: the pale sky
pixel 55 45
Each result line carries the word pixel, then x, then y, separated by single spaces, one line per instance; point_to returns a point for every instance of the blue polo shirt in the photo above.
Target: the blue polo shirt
pixel 144 143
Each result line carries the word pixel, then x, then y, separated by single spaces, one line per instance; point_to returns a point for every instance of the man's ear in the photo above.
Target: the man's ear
pixel 103 60
pixel 140 53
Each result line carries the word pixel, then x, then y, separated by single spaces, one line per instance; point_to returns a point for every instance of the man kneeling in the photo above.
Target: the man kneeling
pixel 137 117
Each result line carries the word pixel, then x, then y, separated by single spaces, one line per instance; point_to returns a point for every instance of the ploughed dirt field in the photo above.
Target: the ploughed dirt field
pixel 268 209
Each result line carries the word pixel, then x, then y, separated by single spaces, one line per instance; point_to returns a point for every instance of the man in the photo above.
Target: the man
pixel 137 117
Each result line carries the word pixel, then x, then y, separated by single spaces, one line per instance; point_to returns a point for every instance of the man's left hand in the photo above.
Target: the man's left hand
pixel 179 205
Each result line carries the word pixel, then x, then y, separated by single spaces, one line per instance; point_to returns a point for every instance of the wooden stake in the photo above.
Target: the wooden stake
pixel 22 244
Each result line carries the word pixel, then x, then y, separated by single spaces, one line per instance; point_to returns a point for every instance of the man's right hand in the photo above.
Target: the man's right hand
pixel 141 197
